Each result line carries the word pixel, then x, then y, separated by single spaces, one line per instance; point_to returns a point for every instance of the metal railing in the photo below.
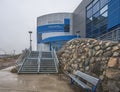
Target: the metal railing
pixel 55 59
pixel 113 35
pixel 21 58
pixel 39 61
pixel 20 65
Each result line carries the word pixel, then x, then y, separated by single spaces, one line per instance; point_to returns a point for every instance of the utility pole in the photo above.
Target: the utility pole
pixel 30 32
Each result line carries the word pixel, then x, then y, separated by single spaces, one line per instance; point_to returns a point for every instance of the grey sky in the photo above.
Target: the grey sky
pixel 17 17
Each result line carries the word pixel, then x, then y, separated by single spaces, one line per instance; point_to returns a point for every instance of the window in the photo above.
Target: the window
pixel 89 6
pixel 104 9
pixel 103 23
pixel 94 1
pixel 103 3
pixel 103 29
pixel 104 16
pixel 89 20
pixel 89 13
pixel 96 18
pixel 96 8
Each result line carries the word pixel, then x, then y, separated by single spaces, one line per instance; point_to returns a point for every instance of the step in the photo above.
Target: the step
pixel 28 70
pixel 30 65
pixel 47 72
pixel 23 72
pixel 47 68
pixel 47 64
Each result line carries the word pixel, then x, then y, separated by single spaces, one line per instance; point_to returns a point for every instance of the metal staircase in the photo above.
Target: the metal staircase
pixel 39 62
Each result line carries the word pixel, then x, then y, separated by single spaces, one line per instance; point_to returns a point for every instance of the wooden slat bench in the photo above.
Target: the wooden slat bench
pixel 83 79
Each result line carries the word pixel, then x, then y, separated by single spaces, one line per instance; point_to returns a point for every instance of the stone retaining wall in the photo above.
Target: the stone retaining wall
pixel 97 58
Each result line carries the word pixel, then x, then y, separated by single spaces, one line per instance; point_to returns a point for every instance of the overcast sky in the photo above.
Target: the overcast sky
pixel 17 17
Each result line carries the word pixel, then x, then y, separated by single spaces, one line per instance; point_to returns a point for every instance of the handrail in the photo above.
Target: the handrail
pixel 55 59
pixel 39 61
pixel 21 58
pixel 24 61
pixel 22 65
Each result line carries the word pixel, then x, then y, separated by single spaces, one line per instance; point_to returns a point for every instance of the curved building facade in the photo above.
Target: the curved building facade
pixel 53 30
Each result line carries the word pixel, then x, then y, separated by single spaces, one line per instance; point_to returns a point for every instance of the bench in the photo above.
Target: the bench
pixel 83 79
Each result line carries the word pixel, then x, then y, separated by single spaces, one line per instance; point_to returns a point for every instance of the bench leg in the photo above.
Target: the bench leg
pixel 87 90
pixel 94 88
pixel 72 82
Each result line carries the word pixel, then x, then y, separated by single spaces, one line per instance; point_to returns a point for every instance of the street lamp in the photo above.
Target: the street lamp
pixel 30 32
pixel 78 33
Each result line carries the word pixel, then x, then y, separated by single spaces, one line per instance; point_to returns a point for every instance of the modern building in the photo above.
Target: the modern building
pixel 98 19
pixel 53 30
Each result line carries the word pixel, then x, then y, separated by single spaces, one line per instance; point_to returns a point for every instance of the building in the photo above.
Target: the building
pixel 98 19
pixel 53 30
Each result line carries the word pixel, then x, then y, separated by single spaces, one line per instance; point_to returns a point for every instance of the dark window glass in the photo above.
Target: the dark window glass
pixel 89 13
pixel 104 16
pixel 89 20
pixel 66 28
pixel 96 8
pixel 96 18
pixel 103 2
pixel 103 29
pixel 95 33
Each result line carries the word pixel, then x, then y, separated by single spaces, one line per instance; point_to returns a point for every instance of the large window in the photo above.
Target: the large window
pixel 104 9
pixel 95 7
pixel 96 18
pixel 89 13
pixel 103 3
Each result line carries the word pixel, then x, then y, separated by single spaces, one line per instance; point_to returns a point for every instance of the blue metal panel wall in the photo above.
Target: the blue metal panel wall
pixel 113 13
pixel 51 28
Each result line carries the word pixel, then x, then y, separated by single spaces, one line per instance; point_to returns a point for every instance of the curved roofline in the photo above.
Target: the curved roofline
pixel 55 13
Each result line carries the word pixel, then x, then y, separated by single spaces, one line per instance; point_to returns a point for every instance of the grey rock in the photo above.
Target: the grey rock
pixel 108 48
pixel 101 77
pixel 99 53
pixel 115 48
pixel 92 60
pixel 116 54
pixel 86 62
pixel 87 68
pixel 108 54
pixel 97 48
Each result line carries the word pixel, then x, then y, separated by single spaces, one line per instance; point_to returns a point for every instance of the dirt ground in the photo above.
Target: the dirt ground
pixel 7 62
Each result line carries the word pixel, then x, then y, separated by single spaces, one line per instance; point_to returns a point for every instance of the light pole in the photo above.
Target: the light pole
pixel 78 33
pixel 30 32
